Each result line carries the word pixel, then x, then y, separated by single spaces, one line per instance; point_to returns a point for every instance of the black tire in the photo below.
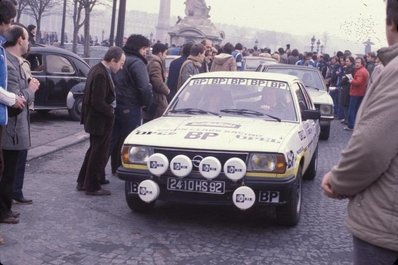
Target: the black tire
pixel 310 174
pixel 134 202
pixel 325 132
pixel 289 214
pixel 76 111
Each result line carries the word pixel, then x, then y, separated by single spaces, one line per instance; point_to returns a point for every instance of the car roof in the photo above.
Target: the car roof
pixel 291 66
pixel 55 50
pixel 244 74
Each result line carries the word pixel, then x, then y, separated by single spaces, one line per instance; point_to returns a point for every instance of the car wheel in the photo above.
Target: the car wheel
pixel 312 167
pixel 289 214
pixel 76 111
pixel 325 132
pixel 134 202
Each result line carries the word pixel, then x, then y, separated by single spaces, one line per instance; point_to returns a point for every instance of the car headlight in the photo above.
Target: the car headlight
pixel 274 163
pixel 326 109
pixel 136 154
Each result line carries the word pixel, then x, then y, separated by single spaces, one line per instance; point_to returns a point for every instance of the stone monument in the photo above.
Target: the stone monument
pixel 163 25
pixel 195 26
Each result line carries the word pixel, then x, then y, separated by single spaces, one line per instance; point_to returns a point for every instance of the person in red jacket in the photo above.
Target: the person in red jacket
pixel 358 86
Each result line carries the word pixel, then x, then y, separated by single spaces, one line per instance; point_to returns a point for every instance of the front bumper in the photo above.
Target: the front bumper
pixel 266 189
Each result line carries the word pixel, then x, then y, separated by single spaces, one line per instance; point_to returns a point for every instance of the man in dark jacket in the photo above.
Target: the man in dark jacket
pixel 133 92
pixel 174 70
pixel 98 117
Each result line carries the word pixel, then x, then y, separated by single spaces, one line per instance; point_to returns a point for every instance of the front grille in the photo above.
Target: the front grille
pixel 220 155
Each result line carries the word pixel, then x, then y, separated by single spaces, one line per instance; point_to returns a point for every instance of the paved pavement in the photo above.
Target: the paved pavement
pixel 52 132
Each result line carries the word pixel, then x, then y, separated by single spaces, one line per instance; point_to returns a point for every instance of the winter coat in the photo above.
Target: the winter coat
pixel 174 72
pixel 345 86
pixel 368 169
pixel 189 68
pixel 360 82
pixel 99 94
pixel 223 62
pixel 132 82
pixel 16 135
pixel 159 87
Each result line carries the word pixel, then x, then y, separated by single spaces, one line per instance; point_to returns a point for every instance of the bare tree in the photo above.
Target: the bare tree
pixel 20 8
pixel 78 22
pixel 38 9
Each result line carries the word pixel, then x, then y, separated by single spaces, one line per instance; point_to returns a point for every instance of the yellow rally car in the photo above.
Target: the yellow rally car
pixel 230 138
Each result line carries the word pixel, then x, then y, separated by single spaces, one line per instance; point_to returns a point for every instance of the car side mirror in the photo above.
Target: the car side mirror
pixel 310 114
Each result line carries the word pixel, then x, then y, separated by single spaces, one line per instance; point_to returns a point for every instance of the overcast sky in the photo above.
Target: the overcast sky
pixel 355 20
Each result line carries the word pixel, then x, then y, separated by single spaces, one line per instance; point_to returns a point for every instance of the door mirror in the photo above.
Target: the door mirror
pixel 310 114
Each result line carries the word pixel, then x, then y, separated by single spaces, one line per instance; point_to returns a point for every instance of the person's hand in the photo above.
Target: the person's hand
pixel 19 102
pixel 327 188
pixel 34 85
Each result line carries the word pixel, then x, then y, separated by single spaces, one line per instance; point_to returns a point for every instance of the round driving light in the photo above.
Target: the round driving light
pixel 181 166
pixel 148 190
pixel 157 164
pixel 210 167
pixel 235 168
pixel 244 197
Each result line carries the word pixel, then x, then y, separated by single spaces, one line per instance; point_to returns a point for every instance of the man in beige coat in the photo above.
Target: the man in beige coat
pixel 367 173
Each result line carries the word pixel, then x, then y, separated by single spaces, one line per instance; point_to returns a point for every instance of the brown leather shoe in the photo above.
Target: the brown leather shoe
pixel 9 220
pixel 23 200
pixel 80 187
pixel 14 214
pixel 100 192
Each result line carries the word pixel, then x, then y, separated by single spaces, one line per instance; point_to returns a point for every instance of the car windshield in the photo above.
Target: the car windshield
pixel 251 63
pixel 244 97
pixel 311 79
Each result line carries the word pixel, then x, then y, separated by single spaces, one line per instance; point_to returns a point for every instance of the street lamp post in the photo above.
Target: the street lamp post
pixel 312 43
pixel 318 43
pixel 256 43
pixel 120 24
pixel 322 48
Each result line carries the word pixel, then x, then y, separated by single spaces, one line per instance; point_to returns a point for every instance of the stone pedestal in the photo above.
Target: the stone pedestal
pixel 195 27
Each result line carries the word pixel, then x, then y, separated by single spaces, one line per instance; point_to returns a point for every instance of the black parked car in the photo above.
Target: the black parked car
pixel 62 75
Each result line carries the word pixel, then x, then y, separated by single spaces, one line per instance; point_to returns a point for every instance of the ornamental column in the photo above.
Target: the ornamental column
pixel 163 25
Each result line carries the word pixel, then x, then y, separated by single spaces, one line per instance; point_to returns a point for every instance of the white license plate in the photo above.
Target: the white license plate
pixel 196 185
pixel 269 196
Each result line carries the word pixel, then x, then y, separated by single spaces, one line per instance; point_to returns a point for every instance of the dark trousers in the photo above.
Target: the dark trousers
pixel 95 161
pixel 355 103
pixel 20 174
pixel 126 120
pixel 10 158
pixel 1 153
pixel 365 253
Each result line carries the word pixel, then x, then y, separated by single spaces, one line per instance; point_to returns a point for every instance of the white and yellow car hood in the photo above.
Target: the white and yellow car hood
pixel 214 133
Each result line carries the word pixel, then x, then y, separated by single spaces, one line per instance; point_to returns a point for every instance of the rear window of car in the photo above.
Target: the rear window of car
pixel 309 78
pixel 59 65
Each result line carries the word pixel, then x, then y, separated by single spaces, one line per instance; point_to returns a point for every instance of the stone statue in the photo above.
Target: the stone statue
pixel 196 8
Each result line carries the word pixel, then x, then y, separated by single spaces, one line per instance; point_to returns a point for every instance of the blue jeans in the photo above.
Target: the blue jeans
pixel 365 253
pixel 355 102
pixel 334 94
pixel 126 120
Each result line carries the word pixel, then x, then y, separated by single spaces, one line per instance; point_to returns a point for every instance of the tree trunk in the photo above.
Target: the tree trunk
pixel 120 24
pixel 87 38
pixel 112 34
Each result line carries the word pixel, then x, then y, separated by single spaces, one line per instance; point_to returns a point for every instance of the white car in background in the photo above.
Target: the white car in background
pixel 316 87
pixel 229 138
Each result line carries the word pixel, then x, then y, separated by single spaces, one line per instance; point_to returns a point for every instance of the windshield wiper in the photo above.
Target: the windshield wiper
pixel 194 111
pixel 312 87
pixel 249 112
